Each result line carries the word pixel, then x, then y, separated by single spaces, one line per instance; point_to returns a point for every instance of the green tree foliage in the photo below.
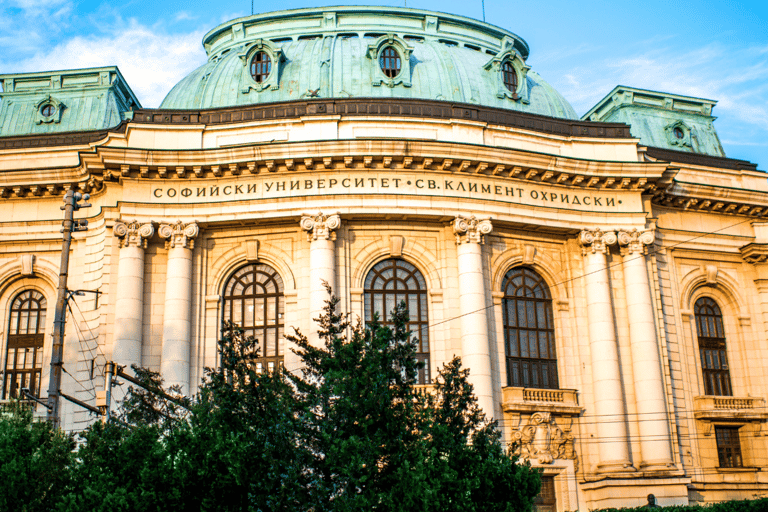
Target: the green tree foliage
pixel 34 461
pixel 350 431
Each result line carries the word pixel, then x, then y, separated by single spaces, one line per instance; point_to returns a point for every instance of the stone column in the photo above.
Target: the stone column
pixel 322 263
pixel 475 347
pixel 177 327
pixel 655 448
pixel 129 303
pixel 613 448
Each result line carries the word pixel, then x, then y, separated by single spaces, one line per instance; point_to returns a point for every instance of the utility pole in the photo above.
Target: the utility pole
pixel 71 199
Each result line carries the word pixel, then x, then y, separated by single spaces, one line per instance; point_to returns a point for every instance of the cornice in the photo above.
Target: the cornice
pixel 712 199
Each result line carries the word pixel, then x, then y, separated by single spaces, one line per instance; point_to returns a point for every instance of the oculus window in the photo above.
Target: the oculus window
pixel 261 67
pixel 24 355
pixel 509 75
pixel 393 281
pixel 390 62
pixel 254 300
pixel 529 332
pixel 714 360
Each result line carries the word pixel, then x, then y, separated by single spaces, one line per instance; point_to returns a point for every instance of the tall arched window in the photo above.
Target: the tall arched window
pixel 388 283
pixel 529 331
pixel 254 300
pixel 24 357
pixel 714 361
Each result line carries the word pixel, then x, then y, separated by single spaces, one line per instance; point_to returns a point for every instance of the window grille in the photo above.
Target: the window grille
pixel 714 360
pixel 390 62
pixel 529 332
pixel 254 300
pixel 261 66
pixel 24 354
pixel 510 76
pixel 387 284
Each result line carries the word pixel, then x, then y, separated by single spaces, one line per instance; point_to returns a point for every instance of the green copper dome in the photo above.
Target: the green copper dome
pixel 339 52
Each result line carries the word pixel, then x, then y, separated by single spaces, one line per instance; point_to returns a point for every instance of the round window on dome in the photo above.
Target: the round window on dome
pixel 47 110
pixel 390 62
pixel 509 75
pixel 261 66
pixel 679 134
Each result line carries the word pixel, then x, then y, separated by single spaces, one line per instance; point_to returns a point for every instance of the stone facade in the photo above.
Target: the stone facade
pixel 624 240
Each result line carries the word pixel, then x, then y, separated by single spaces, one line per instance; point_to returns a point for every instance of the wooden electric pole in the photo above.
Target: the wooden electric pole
pixel 71 199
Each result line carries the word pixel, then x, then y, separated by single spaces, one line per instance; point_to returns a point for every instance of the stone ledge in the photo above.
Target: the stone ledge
pixel 729 408
pixel 557 401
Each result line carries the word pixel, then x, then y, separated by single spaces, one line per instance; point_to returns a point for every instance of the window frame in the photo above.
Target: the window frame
pixel 30 375
pixel 524 376
pixel 713 350
pixel 420 326
pixel 729 453
pixel 271 349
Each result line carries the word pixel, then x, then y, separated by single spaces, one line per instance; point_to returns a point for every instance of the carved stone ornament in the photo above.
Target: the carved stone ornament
pixel 597 240
pixel 542 439
pixel 320 227
pixel 27 264
pixel 471 229
pixel 634 241
pixel 133 233
pixel 179 234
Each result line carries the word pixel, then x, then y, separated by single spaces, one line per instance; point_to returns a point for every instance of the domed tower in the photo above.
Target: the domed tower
pixel 365 52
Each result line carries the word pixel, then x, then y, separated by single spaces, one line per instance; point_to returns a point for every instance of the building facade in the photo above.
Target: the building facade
pixel 605 279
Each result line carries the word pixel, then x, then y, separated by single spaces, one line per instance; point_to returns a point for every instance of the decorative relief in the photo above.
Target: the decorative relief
pixel 133 233
pixel 27 264
pixel 471 229
pixel 635 241
pixel 320 227
pixel 179 234
pixel 597 240
pixel 542 439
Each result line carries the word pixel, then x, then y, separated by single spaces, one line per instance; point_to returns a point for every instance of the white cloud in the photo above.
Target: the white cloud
pixel 150 60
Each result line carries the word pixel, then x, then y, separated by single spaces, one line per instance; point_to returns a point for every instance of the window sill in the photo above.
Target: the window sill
pixel 738 470
pixel 729 408
pixel 524 400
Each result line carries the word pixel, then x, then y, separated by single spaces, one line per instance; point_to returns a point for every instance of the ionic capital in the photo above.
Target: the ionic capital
pixel 133 233
pixel 596 240
pixel 320 227
pixel 179 234
pixel 634 242
pixel 471 229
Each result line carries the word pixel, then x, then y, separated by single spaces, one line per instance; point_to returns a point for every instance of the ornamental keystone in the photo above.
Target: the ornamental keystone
pixel 319 227
pixel 596 240
pixel 179 234
pixel 471 229
pixel 133 233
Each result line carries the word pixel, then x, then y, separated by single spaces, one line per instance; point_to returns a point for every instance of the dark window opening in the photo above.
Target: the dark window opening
pixel 679 134
pixel 546 501
pixel 391 282
pixel 529 331
pixel 510 76
pixel 47 110
pixel 261 66
pixel 24 355
pixel 714 359
pixel 390 62
pixel 728 447
pixel 254 300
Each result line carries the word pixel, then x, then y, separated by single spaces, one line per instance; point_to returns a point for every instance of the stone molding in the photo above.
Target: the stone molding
pixel 470 229
pixel 597 240
pixel 529 400
pixel 729 408
pixel 179 234
pixel 634 242
pixel 755 253
pixel 133 233
pixel 320 226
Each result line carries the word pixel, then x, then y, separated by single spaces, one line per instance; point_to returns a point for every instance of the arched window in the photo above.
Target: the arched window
pixel 510 76
pixel 529 331
pixel 24 357
pixel 390 282
pixel 254 300
pixel 714 361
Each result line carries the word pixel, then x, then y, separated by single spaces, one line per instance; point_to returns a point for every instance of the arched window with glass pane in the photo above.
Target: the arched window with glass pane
pixel 714 360
pixel 24 355
pixel 254 300
pixel 529 332
pixel 390 282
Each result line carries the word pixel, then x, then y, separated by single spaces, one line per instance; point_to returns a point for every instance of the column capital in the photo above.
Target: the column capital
pixel 470 229
pixel 596 240
pixel 635 241
pixel 320 226
pixel 133 233
pixel 179 234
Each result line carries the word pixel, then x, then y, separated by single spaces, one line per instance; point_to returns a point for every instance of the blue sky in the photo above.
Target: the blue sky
pixel 710 49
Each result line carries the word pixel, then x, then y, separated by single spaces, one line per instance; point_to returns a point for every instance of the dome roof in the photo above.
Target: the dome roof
pixel 335 52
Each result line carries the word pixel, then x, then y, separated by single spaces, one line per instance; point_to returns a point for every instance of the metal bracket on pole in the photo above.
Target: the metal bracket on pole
pixel 29 396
